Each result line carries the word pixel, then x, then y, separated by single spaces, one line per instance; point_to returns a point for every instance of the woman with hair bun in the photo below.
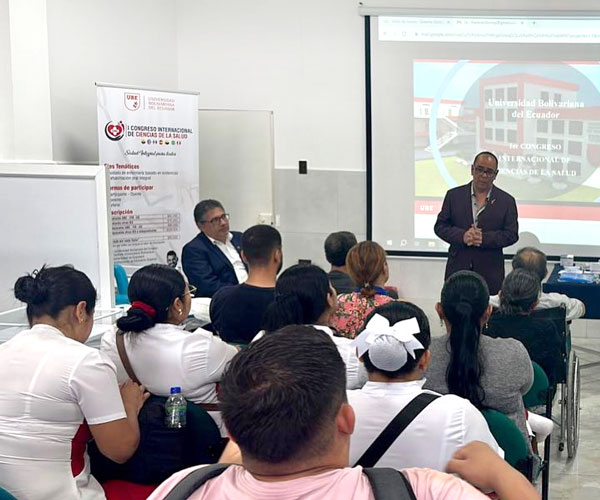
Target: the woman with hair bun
pixel 50 383
pixel 394 346
pixel 161 353
pixel 367 266
pixel 491 373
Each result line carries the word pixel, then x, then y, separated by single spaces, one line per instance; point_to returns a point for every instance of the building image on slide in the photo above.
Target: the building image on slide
pixel 536 123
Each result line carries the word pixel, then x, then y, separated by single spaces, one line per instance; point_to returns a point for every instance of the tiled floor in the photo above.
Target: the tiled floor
pixel 579 478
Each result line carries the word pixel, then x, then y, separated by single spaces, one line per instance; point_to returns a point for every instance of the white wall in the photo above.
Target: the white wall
pixel 132 42
pixel 7 145
pixel 303 60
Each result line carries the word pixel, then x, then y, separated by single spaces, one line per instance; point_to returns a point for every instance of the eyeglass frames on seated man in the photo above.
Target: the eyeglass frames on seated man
pixel 216 220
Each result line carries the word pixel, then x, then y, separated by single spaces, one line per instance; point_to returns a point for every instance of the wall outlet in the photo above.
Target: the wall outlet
pixel 265 218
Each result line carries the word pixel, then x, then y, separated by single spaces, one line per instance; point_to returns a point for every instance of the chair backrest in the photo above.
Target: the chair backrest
pixel 121 278
pixel 538 394
pixel 511 440
pixel 5 495
pixel 122 284
pixel 544 334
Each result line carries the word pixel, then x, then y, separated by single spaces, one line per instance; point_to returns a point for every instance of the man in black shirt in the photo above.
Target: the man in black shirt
pixel 337 246
pixel 236 311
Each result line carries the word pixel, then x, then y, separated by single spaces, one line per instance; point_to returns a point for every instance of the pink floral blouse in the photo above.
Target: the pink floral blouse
pixel 352 310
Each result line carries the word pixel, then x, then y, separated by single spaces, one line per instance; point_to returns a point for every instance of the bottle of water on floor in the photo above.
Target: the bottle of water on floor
pixel 175 409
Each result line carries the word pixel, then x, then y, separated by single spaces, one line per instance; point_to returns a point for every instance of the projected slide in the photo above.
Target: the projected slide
pixel 542 119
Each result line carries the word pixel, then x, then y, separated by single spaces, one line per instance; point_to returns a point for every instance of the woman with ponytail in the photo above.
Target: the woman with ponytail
pixel 57 393
pixel 367 266
pixel 491 373
pixel 161 353
pixel 304 296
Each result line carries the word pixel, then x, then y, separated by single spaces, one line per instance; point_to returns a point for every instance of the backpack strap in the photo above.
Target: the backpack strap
pixel 395 428
pixel 194 480
pixel 389 484
pixel 120 341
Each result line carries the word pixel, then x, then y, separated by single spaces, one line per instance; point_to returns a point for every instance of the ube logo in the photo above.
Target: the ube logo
pixel 132 101
pixel 114 131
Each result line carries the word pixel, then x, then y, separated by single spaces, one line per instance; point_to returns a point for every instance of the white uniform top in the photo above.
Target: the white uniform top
pixel 430 440
pixel 48 384
pixel 356 374
pixel 575 308
pixel 166 356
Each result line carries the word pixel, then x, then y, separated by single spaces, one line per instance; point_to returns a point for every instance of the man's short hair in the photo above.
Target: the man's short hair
pixel 337 246
pixel 279 397
pixel 531 259
pixel 205 206
pixel 259 242
pixel 171 253
pixel 488 153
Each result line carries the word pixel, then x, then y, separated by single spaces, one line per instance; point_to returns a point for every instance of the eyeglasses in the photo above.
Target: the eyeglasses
pixel 216 220
pixel 490 172
pixel 191 290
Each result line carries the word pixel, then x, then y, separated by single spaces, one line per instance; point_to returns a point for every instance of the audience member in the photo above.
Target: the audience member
pixel 367 266
pixel 304 296
pixel 534 260
pixel 394 348
pixel 285 405
pixel 212 260
pixel 161 353
pixel 337 246
pixel 50 383
pixel 236 311
pixel 491 373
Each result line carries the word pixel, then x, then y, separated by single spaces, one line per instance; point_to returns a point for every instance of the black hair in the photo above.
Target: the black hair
pixel 520 291
pixel 157 286
pixel 51 289
pixel 397 311
pixel 259 242
pixel 280 396
pixel 203 207
pixel 533 260
pixel 465 298
pixel 171 252
pixel 300 297
pixel 337 246
pixel 486 153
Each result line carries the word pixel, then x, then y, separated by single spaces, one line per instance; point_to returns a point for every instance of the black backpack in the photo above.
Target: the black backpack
pixel 386 483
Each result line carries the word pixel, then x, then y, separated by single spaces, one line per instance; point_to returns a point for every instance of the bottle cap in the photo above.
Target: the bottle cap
pixel 175 390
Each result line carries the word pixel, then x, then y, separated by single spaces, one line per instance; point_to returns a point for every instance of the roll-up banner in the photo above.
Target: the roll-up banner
pixel 148 141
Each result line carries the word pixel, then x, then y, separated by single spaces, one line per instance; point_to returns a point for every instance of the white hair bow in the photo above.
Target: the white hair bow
pixel 403 331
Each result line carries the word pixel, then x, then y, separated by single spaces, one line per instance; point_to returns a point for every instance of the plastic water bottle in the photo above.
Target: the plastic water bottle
pixel 175 409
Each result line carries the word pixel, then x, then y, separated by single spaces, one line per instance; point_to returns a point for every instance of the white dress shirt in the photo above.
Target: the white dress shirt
pixel 430 440
pixel 232 256
pixel 356 374
pixel 166 356
pixel 48 384
pixel 575 308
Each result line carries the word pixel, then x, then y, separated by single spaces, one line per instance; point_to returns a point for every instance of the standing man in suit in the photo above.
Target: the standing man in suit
pixel 479 220
pixel 212 259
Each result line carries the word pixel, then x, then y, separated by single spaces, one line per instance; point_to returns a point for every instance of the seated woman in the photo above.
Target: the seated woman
pixel 50 383
pixel 491 373
pixel 304 296
pixel 394 348
pixel 367 266
pixel 161 353
pixel 518 298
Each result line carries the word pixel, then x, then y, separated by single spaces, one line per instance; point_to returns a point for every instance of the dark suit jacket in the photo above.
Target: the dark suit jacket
pixel 498 223
pixel 206 267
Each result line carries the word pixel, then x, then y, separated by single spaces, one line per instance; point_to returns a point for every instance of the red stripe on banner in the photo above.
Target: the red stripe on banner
pixel 558 212
pixel 554 212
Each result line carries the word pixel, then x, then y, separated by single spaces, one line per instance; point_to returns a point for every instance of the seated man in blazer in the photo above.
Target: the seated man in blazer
pixel 212 259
